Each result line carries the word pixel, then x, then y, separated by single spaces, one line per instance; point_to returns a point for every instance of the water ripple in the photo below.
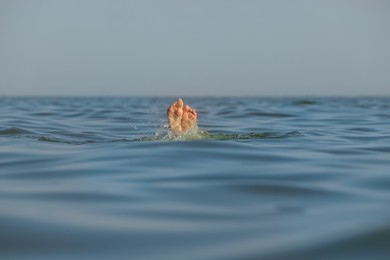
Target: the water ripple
pixel 282 178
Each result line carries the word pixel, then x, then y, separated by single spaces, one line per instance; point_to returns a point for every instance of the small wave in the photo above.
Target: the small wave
pixel 264 135
pixel 263 114
pixel 78 142
pixel 50 139
pixel 14 131
pixel 305 102
pixel 198 134
pixel 280 190
pixel 205 135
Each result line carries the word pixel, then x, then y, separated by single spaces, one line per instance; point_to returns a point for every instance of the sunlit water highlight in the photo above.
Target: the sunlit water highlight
pixel 281 178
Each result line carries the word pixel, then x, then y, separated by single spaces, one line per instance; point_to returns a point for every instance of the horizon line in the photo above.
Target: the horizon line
pixel 198 96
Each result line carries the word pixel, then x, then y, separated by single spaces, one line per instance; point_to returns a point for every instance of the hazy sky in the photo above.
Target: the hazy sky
pixel 182 48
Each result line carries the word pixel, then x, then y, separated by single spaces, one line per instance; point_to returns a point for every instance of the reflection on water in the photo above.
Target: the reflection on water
pixel 263 178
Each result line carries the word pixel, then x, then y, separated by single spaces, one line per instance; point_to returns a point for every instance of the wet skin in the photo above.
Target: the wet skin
pixel 181 118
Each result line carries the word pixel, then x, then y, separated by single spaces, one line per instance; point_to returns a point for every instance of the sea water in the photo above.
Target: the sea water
pixel 280 178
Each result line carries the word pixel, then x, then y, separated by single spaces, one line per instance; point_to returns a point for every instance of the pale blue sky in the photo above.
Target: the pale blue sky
pixel 183 48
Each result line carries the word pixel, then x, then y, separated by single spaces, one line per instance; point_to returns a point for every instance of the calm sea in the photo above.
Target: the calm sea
pixel 275 178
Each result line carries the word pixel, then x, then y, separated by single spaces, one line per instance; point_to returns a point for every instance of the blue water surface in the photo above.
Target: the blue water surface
pixel 275 178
